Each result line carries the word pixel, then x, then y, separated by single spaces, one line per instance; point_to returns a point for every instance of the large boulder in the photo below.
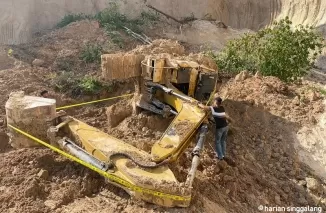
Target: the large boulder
pixel 29 114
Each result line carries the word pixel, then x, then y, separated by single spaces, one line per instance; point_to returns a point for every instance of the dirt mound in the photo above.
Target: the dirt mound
pixel 206 34
pixel 26 188
pixel 60 50
pixel 266 114
pixel 296 103
pixel 160 46
pixel 141 130
pixel 5 61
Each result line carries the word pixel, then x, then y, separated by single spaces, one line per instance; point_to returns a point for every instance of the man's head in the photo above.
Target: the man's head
pixel 218 101
pixel 45 94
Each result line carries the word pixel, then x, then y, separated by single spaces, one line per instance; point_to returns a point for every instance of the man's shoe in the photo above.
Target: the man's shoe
pixel 229 161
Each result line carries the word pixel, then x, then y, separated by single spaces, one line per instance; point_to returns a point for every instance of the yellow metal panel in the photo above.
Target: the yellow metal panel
pixel 187 64
pixel 193 82
pixel 158 70
pixel 174 76
pixel 180 131
pixel 102 146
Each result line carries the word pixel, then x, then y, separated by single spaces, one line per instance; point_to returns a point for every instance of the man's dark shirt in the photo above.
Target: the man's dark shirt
pixel 219 116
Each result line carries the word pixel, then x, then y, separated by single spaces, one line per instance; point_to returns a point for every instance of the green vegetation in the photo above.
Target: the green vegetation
pixel 65 81
pixel 91 53
pixel 67 19
pixel 69 83
pixel 318 89
pixel 90 85
pixel 281 51
pixel 112 21
pixel 322 91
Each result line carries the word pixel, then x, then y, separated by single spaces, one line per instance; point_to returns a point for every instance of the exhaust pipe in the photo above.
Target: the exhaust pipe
pixel 196 154
pixel 82 154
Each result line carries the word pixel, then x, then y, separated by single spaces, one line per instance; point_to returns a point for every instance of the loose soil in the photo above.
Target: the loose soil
pixel 266 117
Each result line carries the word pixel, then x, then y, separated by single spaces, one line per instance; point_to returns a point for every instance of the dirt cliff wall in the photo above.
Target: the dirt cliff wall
pixel 19 19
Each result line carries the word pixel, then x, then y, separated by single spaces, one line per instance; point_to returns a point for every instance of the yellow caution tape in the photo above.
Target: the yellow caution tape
pixel 111 177
pixel 93 102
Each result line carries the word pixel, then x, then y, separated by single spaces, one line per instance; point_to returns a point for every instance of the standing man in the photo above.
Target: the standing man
pixel 222 128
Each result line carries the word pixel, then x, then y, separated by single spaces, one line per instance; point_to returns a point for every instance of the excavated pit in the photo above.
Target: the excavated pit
pixel 262 139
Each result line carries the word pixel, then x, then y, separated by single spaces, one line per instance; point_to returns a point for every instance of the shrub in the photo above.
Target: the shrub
pixel 64 82
pixel 111 19
pixel 90 85
pixel 75 86
pixel 91 53
pixel 281 51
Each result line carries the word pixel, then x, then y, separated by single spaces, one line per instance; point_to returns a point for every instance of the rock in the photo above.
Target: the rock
pixel 286 189
pixel 242 76
pixel 15 171
pixel 323 201
pixel 312 119
pixel 51 204
pixel 315 198
pixel 314 185
pixel 266 89
pixel 313 96
pixel 222 165
pixel 278 200
pixel 44 174
pixel 258 75
pixel 37 62
pixel 296 101
pixel 302 183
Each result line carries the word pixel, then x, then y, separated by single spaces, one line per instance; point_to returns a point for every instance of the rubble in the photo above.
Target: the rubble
pixel 38 62
pixel 44 174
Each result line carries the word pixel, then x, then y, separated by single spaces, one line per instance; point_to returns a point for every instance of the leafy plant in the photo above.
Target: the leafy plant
pixel 69 83
pixel 67 19
pixel 90 85
pixel 91 53
pixel 281 51
pixel 65 81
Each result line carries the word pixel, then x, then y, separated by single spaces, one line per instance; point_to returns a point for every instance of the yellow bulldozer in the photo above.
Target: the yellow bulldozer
pixel 165 85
